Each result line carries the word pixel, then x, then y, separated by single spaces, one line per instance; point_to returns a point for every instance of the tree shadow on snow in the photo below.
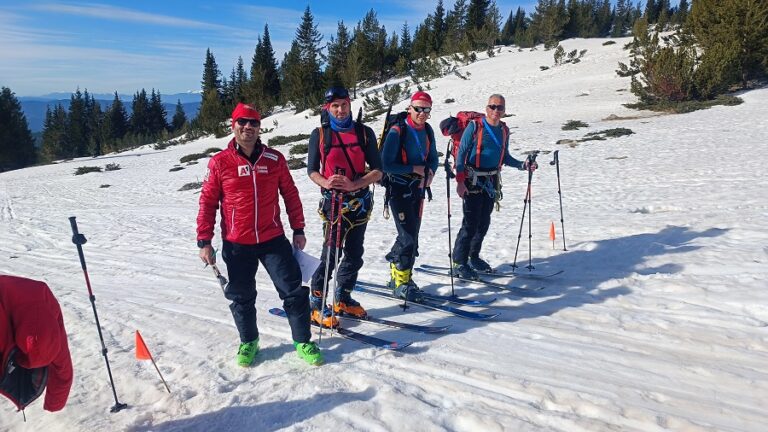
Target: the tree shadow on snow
pixel 270 416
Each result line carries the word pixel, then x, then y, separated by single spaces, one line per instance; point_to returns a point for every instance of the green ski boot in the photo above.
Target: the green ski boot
pixel 309 352
pixel 247 353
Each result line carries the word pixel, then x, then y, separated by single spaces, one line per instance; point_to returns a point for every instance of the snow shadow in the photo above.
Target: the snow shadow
pixel 270 416
pixel 594 264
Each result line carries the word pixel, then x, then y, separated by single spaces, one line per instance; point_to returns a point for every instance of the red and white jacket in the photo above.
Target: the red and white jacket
pixel 248 193
pixel 31 325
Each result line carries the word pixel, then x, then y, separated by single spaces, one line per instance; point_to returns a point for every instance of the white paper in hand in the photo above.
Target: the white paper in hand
pixel 307 263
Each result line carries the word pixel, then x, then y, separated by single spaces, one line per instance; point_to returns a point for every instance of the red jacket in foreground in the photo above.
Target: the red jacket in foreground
pixel 248 193
pixel 32 329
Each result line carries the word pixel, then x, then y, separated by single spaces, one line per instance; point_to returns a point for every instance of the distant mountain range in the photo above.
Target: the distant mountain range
pixel 34 107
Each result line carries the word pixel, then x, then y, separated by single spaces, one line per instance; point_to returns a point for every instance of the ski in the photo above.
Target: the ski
pixel 515 290
pixel 430 305
pixel 397 324
pixel 508 273
pixel 450 299
pixel 355 336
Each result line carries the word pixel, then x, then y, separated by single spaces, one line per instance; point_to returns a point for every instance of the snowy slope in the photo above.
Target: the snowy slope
pixel 658 323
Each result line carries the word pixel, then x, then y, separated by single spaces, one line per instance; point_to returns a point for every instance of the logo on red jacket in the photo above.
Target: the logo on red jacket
pixel 261 169
pixel 243 171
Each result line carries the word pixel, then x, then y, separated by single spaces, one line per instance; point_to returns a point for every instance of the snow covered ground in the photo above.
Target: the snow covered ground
pixel 658 323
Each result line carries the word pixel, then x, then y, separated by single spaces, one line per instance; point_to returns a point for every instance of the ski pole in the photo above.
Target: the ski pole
pixel 329 231
pixel 531 160
pixel 522 218
pixel 448 176
pixel 337 257
pixel 222 280
pixel 79 240
pixel 556 163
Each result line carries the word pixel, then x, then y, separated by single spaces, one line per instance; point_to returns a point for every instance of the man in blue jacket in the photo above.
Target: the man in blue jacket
pixel 483 150
pixel 409 159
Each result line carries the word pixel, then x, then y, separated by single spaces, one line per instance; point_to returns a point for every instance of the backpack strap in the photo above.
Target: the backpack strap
pixel 504 136
pixel 479 134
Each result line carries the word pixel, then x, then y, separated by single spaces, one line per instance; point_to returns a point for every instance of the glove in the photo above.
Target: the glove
pixel 530 166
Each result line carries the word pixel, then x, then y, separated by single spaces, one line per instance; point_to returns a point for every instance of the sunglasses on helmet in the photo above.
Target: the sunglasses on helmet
pixel 336 93
pixel 422 109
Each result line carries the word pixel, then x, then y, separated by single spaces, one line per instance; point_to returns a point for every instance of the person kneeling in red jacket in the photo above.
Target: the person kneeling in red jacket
pixel 33 345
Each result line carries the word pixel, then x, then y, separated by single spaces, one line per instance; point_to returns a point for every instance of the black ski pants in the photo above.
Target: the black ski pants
pixel 477 208
pixel 356 210
pixel 406 202
pixel 277 257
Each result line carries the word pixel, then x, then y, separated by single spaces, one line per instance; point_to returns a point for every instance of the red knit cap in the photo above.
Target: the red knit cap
pixel 247 111
pixel 421 96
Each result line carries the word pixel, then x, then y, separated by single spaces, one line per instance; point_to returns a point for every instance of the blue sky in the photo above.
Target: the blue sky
pixel 123 46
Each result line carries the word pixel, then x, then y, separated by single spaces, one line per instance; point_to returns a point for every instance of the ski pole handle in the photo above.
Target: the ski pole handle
pixel 77 238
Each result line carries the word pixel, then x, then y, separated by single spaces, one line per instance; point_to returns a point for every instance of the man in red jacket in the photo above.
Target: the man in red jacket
pixel 246 180
pixel 33 345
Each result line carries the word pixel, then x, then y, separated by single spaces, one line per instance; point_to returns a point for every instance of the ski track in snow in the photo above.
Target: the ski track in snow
pixel 658 323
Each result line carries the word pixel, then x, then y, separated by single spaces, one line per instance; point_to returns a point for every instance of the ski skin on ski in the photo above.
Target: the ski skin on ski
pixel 514 290
pixel 429 305
pixel 440 298
pixel 396 324
pixel 355 336
pixel 505 273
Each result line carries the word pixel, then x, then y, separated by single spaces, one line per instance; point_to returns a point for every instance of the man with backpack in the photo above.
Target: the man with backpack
pixel 343 160
pixel 246 180
pixel 483 149
pixel 409 159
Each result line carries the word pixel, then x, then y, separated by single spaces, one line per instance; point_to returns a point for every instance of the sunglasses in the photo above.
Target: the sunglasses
pixel 497 107
pixel 244 121
pixel 422 109
pixel 336 93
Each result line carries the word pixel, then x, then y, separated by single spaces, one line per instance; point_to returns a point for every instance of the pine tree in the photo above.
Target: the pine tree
pixel 604 18
pixel 650 11
pixel 179 118
pixel 271 75
pixel 621 18
pixel 476 19
pixel 139 119
pixel 734 37
pixel 354 69
pixel 301 68
pixel 211 111
pixel 438 28
pixel 156 119
pixel 522 37
pixel 76 130
pixel 211 74
pixel 338 53
pixel 371 38
pixel 116 125
pixel 422 39
pixel 17 148
pixel 406 49
pixel 95 119
pixel 549 21
pixel 55 145
pixel 455 28
pixel 681 13
pixel 508 32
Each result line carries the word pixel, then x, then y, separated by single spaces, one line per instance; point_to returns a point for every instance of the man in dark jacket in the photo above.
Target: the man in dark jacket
pixel 246 180
pixel 409 158
pixel 343 160
pixel 33 345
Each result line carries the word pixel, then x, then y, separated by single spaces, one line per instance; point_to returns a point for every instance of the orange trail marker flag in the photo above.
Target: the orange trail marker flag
pixel 552 234
pixel 142 353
